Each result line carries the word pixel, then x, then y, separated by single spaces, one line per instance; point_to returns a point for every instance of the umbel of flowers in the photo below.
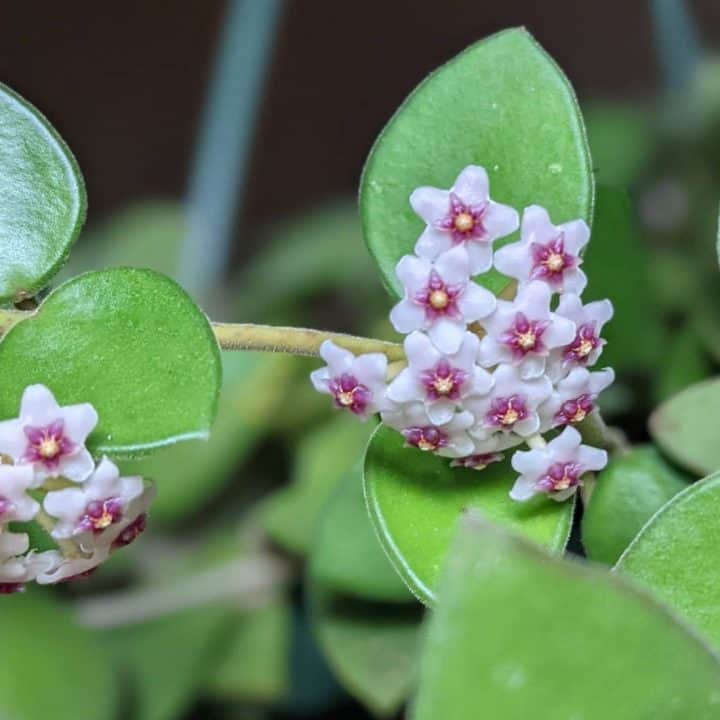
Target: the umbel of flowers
pixel 48 476
pixel 484 375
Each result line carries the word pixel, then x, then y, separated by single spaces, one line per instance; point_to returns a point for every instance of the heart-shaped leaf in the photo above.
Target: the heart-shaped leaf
pixel 51 667
pixel 675 555
pixel 685 427
pixel 132 343
pixel 347 556
pixel 416 498
pixel 370 647
pixel 503 104
pixel 43 198
pixel 631 489
pixel 518 634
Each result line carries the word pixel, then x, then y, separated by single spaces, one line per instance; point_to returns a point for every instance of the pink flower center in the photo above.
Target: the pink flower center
pixel 477 462
pixel 550 261
pixel 525 336
pixel 438 298
pixel 464 222
pixel 10 588
pixel 131 532
pixel 48 445
pixel 506 411
pixel 6 506
pixel 427 438
pixel 583 345
pixel 560 476
pixel 349 394
pixel 575 411
pixel 100 515
pixel 443 381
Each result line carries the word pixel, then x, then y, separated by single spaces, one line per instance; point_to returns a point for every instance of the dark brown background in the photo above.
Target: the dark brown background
pixel 124 82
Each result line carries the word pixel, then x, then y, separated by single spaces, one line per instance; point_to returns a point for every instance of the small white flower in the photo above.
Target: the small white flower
pixel 586 346
pixel 440 298
pixel 438 380
pixel 546 252
pixel 509 410
pixel 574 397
pixel 556 469
pixel 356 384
pixel 48 437
pixel 17 566
pixel 524 331
pixel 464 215
pixel 59 568
pixel 94 513
pixel 15 503
pixel 448 439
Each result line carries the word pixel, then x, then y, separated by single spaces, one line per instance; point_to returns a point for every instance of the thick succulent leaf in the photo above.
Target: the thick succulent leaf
pixel 675 555
pixel 347 557
pixel 503 104
pixel 132 343
pixel 371 648
pixel 290 515
pixel 631 489
pixel 51 667
pixel 43 198
pixel 415 499
pixel 685 427
pixel 519 634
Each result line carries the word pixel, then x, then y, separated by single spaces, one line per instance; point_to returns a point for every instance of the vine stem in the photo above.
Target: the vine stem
pixel 267 338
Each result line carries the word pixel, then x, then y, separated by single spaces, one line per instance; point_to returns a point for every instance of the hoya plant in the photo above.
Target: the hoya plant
pixel 480 449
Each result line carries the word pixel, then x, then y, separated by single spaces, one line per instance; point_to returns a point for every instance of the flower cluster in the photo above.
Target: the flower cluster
pixel 484 375
pixel 48 476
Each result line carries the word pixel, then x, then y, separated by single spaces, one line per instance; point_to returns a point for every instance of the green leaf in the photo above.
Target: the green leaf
pixel 132 343
pixel 347 557
pixel 685 363
pixel 371 648
pixel 254 666
pixel 675 555
pixel 415 499
pixel 290 515
pixel 503 104
pixel 43 199
pixel 198 469
pixel 51 668
pixel 685 427
pixel 518 634
pixel 616 263
pixel 631 489
pixel 165 659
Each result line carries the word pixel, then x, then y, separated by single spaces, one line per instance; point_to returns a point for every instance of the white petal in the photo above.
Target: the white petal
pixel 480 257
pixel 560 333
pixel 405 388
pixel 38 405
pixel 527 427
pixel 370 368
pixel 514 260
pixel 574 281
pixel 476 302
pixel 440 412
pixel 592 458
pixel 406 316
pixel 446 334
pixel 531 366
pixel 536 225
pixel 472 185
pixel 412 272
pixel 68 505
pixel 500 220
pixel 420 352
pixel 432 242
pixel 577 234
pixel 454 266
pixel 338 359
pixel 564 446
pixel 431 204
pixel 491 353
pixel 76 467
pixel 522 490
pixel 13 441
pixel 319 379
pixel 80 421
